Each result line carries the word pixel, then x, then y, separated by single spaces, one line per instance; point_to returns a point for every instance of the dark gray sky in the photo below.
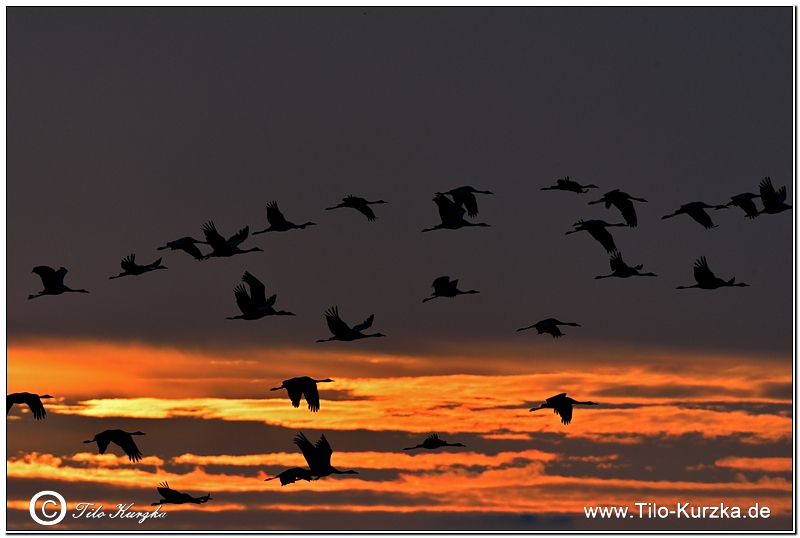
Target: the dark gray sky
pixel 127 128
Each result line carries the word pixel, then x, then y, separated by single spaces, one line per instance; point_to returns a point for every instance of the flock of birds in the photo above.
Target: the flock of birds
pixel 453 205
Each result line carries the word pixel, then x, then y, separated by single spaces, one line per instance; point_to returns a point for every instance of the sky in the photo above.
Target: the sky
pixel 131 127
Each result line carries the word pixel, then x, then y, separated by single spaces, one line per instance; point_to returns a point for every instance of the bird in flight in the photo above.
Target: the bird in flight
pixel 696 210
pixel 223 248
pixel 359 204
pixel 622 201
pixel 432 442
pixel 118 437
pixel 622 270
pixel 549 326
pixel 561 405
pixel 706 279
pixel 745 201
pixel 188 245
pixel 176 497
pixel 451 214
pixel 33 401
pixel 342 331
pixel 567 184
pixel 318 456
pixel 597 229
pixel 466 196
pixel 298 387
pixel 290 476
pixel 53 281
pixel 130 268
pixel 256 305
pixel 444 287
pixel 774 202
pixel 277 222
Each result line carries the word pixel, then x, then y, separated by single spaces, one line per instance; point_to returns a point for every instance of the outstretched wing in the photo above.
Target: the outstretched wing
pixel 295 393
pixel 628 212
pixel 274 215
pixel 448 210
pixel 701 271
pixel 129 263
pixel 441 285
pixel 236 239
pixel 335 323
pixel 243 300
pixel 767 190
pixel 130 448
pixel 36 407
pixel 216 241
pixel 699 214
pixel 469 201
pixel 324 451
pixel 616 262
pixel 564 410
pixel 309 452
pixel 102 444
pixel 366 210
pixel 257 290
pixel 168 493
pixel 366 324
pixel 604 238
pixel 312 397
pixel 50 277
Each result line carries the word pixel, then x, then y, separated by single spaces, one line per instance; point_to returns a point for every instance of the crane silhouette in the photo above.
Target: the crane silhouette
pixel 745 201
pixel 561 405
pixel 597 229
pixel 188 245
pixel 277 222
pixel 696 210
pixel 549 326
pixel 318 456
pixel 622 270
pixel 623 202
pixel 290 476
pixel 256 305
pixel 342 331
pixel 303 386
pixel 466 196
pixel 33 401
pixel 432 442
pixel 451 214
pixel 359 204
pixel 176 497
pixel 223 248
pixel 774 202
pixel 130 267
pixel 706 279
pixel 53 281
pixel 567 184
pixel 118 437
pixel 444 287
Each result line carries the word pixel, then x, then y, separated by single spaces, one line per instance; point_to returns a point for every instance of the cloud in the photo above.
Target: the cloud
pixel 756 464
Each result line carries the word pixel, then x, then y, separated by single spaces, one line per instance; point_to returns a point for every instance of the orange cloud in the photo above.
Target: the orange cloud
pixel 526 488
pixel 775 465
pixel 130 369
pixel 416 410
